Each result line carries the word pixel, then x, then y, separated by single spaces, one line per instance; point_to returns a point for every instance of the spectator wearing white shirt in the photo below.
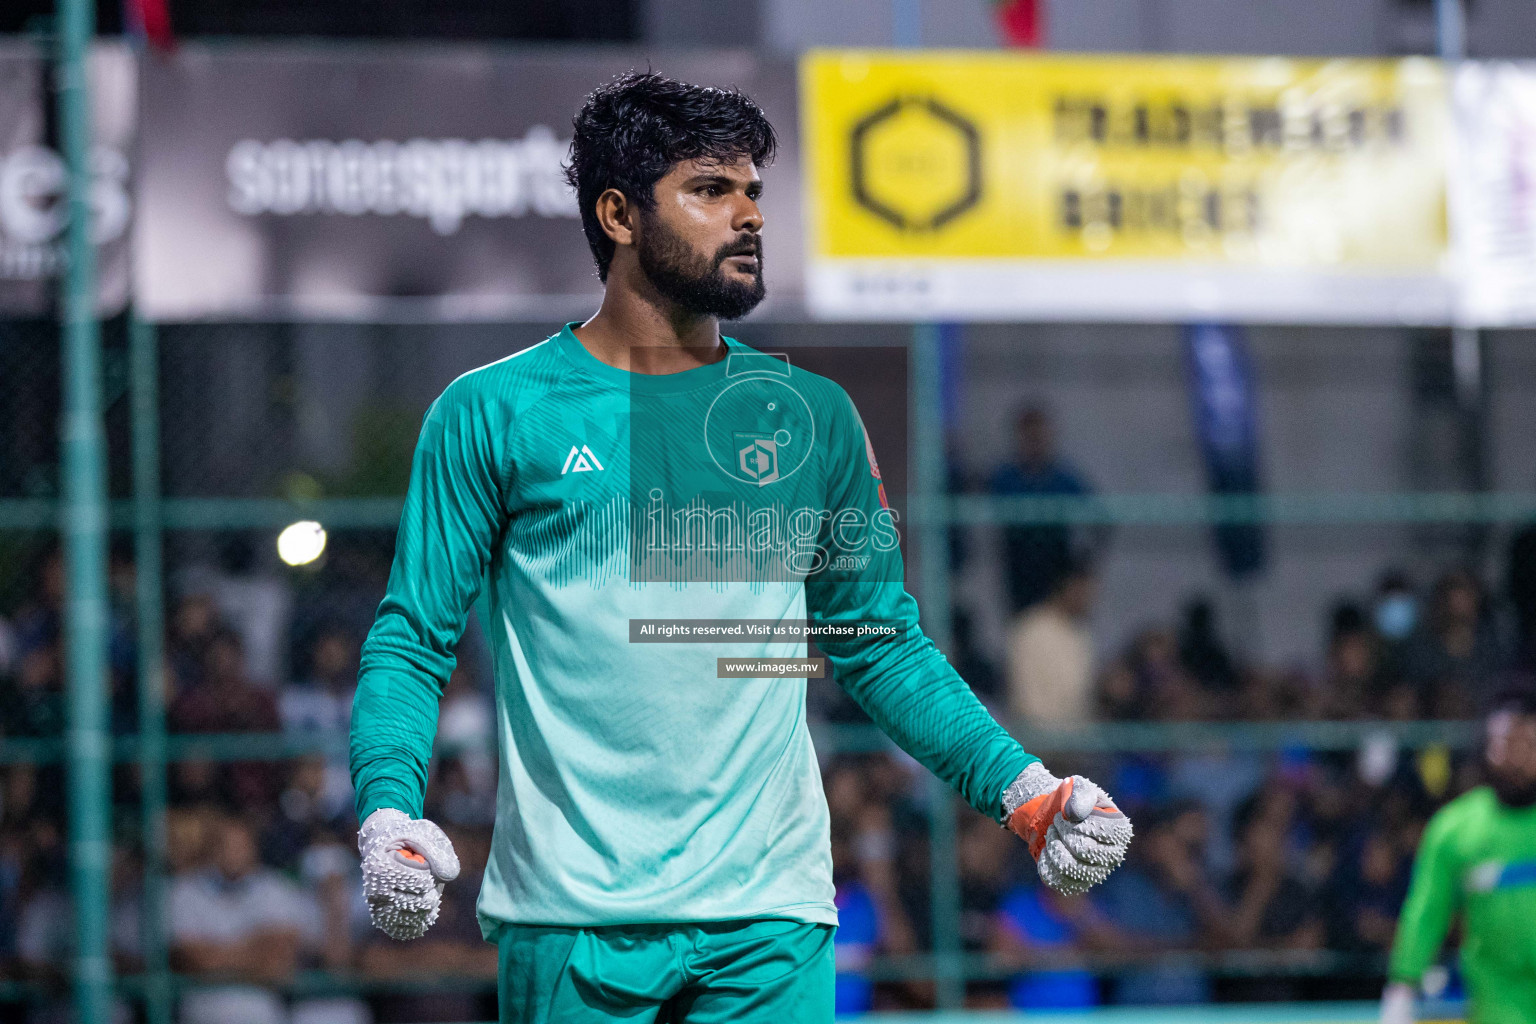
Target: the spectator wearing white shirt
pixel 1050 655
pixel 237 920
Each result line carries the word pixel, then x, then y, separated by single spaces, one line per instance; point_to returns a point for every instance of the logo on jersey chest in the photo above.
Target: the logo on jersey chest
pixel 1491 875
pixel 581 460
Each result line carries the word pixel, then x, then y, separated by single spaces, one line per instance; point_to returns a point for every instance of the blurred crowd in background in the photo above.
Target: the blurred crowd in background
pixel 1401 648
pixel 1296 850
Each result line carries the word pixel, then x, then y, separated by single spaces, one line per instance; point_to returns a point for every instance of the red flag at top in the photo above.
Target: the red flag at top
pixel 1022 22
pixel 150 20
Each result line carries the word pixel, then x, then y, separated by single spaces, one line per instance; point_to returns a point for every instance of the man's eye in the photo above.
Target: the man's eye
pixel 711 190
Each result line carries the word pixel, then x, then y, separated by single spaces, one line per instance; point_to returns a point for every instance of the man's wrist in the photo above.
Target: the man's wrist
pixel 382 816
pixel 384 793
pixel 1031 782
pixel 1016 765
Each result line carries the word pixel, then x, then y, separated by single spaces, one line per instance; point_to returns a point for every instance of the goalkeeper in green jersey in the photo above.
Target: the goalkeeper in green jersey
pixel 1478 859
pixel 662 848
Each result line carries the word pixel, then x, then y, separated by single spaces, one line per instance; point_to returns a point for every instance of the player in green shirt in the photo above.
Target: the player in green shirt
pixel 662 848
pixel 1478 859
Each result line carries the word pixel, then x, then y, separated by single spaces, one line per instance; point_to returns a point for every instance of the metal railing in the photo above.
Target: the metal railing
pixel 1103 738
pixel 1487 508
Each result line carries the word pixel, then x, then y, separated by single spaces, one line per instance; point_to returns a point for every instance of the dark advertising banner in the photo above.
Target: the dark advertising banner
pixel 32 179
pixel 396 181
pixel 1224 398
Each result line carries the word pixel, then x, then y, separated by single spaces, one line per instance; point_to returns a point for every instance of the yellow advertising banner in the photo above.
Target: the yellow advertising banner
pixel 990 184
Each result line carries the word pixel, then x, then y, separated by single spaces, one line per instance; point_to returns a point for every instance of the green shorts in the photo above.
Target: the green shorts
pixel 771 971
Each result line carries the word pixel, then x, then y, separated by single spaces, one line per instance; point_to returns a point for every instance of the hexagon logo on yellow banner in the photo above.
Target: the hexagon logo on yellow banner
pixel 915 163
pixel 1327 166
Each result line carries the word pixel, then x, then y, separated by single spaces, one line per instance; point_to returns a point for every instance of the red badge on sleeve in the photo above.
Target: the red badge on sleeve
pixel 874 467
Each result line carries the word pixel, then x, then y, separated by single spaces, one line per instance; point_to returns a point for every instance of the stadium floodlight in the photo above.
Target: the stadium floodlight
pixel 301 543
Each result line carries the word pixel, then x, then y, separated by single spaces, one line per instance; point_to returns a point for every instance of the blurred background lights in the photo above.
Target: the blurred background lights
pixel 301 543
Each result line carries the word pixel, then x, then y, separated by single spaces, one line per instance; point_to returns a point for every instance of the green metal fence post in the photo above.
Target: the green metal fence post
pixel 83 520
pixel 144 374
pixel 931 528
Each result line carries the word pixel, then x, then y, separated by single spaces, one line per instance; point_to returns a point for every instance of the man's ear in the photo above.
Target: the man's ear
pixel 616 214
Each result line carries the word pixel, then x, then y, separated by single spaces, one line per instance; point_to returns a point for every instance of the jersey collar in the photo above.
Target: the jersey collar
pixel 643 383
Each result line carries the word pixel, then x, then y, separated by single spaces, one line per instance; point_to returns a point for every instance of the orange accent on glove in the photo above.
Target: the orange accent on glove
pixel 1032 819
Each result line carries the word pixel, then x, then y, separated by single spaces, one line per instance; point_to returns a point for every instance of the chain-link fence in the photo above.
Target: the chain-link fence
pixel 1279 736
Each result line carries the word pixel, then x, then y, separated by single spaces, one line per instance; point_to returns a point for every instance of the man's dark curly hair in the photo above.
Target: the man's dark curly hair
pixel 633 130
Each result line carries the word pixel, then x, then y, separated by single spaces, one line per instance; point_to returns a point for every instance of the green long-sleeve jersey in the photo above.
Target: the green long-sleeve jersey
pixel 638 783
pixel 1479 858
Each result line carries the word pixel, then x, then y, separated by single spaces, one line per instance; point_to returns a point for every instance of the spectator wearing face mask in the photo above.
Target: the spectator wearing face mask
pixel 1395 615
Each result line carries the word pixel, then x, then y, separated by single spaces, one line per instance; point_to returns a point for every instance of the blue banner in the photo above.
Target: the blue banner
pixel 1225 407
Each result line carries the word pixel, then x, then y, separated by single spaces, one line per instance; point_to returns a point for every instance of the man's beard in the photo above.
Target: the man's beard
pixel 698 284
pixel 1510 794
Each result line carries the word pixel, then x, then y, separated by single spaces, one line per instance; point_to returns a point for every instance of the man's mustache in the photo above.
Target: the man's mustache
pixel 751 245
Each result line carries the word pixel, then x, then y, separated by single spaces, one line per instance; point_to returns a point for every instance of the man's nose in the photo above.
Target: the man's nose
pixel 748 217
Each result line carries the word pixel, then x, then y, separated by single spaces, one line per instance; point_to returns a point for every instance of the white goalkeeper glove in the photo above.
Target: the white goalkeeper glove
pixel 1397 1002
pixel 406 863
pixel 1075 832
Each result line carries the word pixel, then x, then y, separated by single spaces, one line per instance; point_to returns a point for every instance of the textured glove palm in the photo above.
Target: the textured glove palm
pixel 406 863
pixel 1075 832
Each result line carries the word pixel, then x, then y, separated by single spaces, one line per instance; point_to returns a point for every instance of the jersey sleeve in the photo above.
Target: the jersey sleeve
pixel 454 511
pixel 1432 898
pixel 902 681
